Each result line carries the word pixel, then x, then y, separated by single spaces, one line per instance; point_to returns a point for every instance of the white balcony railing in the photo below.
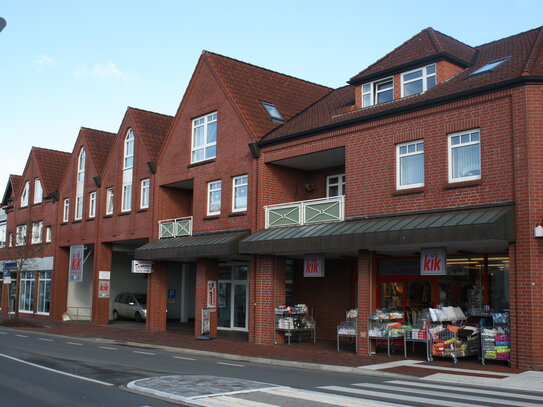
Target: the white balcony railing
pixel 175 227
pixel 305 212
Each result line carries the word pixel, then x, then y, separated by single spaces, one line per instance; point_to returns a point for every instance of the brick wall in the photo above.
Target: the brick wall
pixel 102 262
pixel 206 270
pixel 157 298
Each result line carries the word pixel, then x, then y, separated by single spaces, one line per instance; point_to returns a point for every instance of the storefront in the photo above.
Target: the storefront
pixel 232 297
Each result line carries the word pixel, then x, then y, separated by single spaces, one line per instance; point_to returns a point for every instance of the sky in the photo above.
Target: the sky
pixel 68 64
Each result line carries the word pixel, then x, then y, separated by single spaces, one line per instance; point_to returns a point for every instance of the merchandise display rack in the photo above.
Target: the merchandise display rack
pixel 385 327
pixel 454 341
pixel 418 334
pixel 295 321
pixel 496 339
pixel 349 328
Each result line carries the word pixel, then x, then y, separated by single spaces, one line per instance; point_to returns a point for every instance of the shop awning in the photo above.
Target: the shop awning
pixel 436 228
pixel 191 247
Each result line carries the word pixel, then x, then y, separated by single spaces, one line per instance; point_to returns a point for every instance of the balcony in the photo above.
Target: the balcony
pixel 175 227
pixel 305 212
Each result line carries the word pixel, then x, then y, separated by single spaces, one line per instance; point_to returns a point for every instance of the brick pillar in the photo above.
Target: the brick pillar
pixel 102 262
pixel 59 283
pixel 366 293
pixel 269 291
pixel 157 298
pixel 206 270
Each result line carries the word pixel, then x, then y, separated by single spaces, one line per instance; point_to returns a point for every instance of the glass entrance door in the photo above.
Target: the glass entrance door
pixel 232 298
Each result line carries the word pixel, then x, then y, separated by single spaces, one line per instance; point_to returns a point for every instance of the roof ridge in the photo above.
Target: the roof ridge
pixel 101 131
pixel 49 149
pixel 511 36
pixel 452 38
pixel 433 37
pixel 264 69
pixel 530 61
pixel 147 111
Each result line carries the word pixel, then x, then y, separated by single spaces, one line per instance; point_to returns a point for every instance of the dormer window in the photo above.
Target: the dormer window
pixel 418 80
pixel 273 112
pixel 24 195
pixel 378 92
pixel 38 191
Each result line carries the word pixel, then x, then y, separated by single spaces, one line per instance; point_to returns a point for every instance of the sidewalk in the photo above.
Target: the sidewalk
pixel 320 356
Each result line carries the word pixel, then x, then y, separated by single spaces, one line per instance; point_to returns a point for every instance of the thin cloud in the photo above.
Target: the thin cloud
pixel 105 71
pixel 44 61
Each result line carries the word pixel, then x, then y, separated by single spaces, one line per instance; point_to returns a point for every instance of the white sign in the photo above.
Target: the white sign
pixel 76 262
pixel 433 262
pixel 211 294
pixel 142 266
pixel 314 265
pixel 104 275
pixel 7 280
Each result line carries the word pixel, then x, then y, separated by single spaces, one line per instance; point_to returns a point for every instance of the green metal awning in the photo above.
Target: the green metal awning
pixel 191 247
pixel 436 228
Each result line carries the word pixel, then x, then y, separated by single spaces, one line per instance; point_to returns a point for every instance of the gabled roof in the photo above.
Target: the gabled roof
pixel 151 128
pixel 12 188
pixel 99 144
pixel 336 109
pixel 248 85
pixel 427 44
pixel 52 164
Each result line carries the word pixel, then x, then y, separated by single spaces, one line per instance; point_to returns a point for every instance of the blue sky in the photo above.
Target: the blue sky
pixel 67 64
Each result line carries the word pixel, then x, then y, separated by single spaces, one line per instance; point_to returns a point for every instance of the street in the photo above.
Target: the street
pixel 38 369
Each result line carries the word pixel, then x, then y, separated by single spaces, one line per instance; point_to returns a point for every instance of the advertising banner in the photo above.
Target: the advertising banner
pixel 76 262
pixel 103 288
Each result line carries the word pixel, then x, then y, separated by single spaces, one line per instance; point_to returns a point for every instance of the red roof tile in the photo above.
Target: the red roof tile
pixel 12 188
pixel 152 128
pixel 248 85
pixel 52 165
pixel 99 144
pixel 425 44
pixel 525 50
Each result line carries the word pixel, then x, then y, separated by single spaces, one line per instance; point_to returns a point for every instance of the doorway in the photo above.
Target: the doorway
pixel 232 299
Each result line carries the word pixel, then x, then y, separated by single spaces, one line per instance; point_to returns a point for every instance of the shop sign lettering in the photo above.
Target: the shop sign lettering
pixel 142 266
pixel 433 262
pixel 103 288
pixel 314 265
pixel 76 262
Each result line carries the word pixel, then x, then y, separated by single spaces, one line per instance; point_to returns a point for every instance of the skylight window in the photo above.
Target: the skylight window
pixel 490 66
pixel 272 110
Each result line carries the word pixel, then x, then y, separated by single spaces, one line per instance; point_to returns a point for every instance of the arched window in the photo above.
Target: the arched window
pixel 129 150
pixel 80 188
pixel 128 164
pixel 81 165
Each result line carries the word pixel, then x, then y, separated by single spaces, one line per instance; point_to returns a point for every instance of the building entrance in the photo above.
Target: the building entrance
pixel 232 297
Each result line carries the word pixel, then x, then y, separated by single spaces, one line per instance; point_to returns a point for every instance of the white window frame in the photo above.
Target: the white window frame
pixel 213 188
pixel 66 210
pixel 244 179
pixel 78 213
pixel 28 281
pixel 424 78
pixel 3 236
pixel 340 184
pixel 38 191
pixel 37 232
pixel 110 201
pixel 373 92
pixel 399 157
pixel 145 193
pixel 44 292
pixel 81 160
pixel 48 234
pixel 451 147
pixel 204 121
pixel 24 194
pixel 20 235
pixel 92 204
pixel 128 156
pixel 126 197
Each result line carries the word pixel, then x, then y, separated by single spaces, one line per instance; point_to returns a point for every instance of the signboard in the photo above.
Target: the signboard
pixel 314 265
pixel 206 313
pixel 211 294
pixel 7 280
pixel 76 262
pixel 103 288
pixel 142 266
pixel 104 275
pixel 8 268
pixel 433 262
pixel 171 293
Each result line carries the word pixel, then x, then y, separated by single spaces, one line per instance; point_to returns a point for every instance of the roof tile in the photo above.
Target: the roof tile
pixel 52 165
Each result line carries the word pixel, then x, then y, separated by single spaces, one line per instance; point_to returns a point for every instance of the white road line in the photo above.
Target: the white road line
pixel 467 371
pixel 108 348
pixel 446 395
pixel 143 353
pixel 45 339
pixel 230 364
pixel 320 397
pixel 3 333
pixel 74 343
pixel 467 390
pixel 88 379
pixel 404 398
pixel 229 401
pixel 21 336
pixel 183 358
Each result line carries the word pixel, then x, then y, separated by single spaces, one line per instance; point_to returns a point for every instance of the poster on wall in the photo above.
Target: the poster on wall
pixel 211 294
pixel 314 265
pixel 433 262
pixel 76 262
pixel 103 288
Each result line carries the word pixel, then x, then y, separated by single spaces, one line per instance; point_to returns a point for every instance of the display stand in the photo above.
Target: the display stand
pixel 295 321
pixel 496 339
pixel 383 329
pixel 454 341
pixel 349 329
pixel 418 335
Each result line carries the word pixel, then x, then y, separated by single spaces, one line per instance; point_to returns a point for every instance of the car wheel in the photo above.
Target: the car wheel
pixel 115 315
pixel 138 317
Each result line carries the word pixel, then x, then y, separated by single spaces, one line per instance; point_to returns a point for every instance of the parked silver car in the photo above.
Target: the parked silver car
pixel 130 305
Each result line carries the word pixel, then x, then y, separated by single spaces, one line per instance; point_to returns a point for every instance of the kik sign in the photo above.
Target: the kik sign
pixel 314 265
pixel 76 262
pixel 433 262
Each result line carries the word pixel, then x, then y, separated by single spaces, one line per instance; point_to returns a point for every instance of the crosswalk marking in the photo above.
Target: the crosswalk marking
pixel 321 397
pixel 229 401
pixel 467 390
pixel 467 371
pixel 449 394
pixel 403 397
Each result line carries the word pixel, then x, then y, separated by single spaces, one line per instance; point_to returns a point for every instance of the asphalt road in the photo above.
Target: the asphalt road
pixel 37 369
